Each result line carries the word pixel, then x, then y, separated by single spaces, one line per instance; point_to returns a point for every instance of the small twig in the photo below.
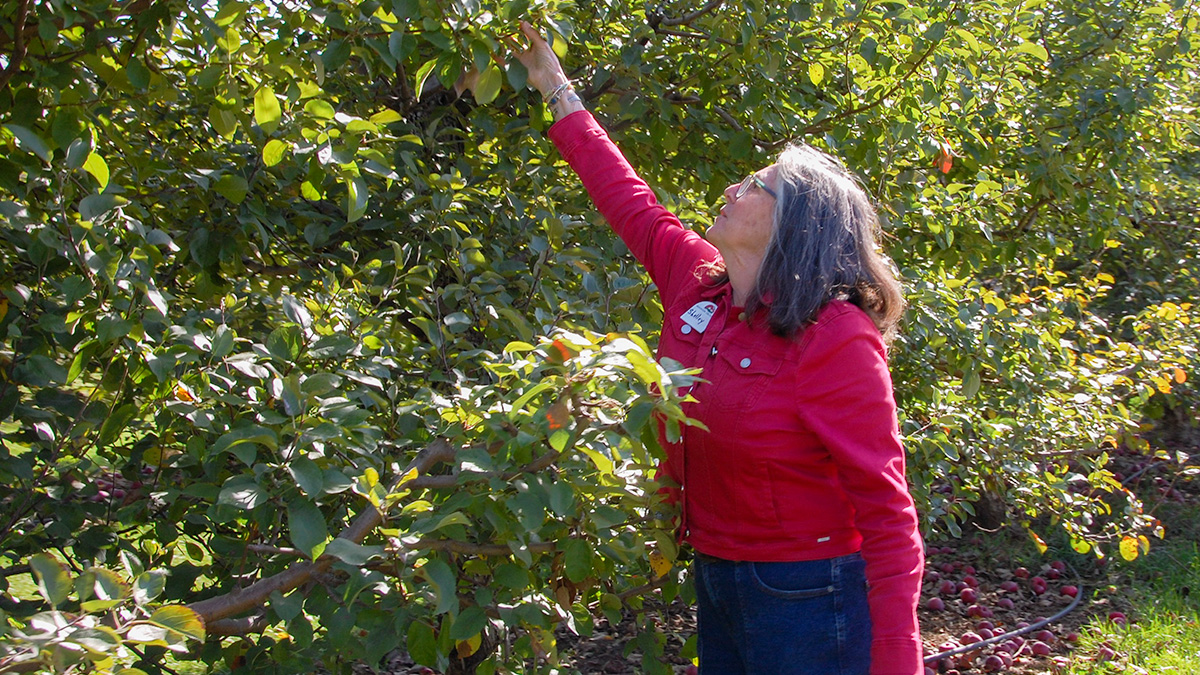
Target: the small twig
pixel 275 550
pixel 688 18
pixel 467 548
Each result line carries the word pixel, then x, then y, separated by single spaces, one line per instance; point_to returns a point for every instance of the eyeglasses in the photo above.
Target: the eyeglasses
pixel 750 181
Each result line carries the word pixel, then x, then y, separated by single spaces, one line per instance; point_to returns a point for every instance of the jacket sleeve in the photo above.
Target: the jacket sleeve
pixel 670 252
pixel 846 399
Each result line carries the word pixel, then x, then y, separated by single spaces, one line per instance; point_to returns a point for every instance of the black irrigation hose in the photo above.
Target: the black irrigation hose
pixel 934 658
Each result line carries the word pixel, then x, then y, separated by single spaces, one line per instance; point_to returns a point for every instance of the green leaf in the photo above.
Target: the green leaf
pixel 511 576
pixel 444 583
pixel 518 75
pixel 422 643
pixel 93 206
pixel 30 141
pixel 386 117
pixel 519 404
pixel 470 622
pixel 356 198
pixel 149 585
pixel 422 74
pixel 115 424
pixel 456 518
pixel 487 86
pixel 287 607
pixel 267 110
pixel 78 151
pixel 577 559
pixel 1033 49
pixel 320 108
pixel 559 439
pixel 306 526
pixel 149 634
pixel 224 122
pixel 234 440
pixel 107 585
pixel 284 343
pixel 138 74
pixel 232 187
pixel 307 475
pixel 242 492
pixel 274 151
pixel 180 620
pixel 53 579
pixel 352 553
pixel 99 640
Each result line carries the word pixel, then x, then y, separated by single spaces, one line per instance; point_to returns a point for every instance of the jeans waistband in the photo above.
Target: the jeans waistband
pixel 709 559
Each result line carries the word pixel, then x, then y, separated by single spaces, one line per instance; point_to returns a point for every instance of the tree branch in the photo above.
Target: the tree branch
pixel 18 51
pixel 452 480
pixel 688 18
pixel 253 596
pixel 255 623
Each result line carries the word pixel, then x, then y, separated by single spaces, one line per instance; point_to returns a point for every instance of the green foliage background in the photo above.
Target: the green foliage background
pixel 260 260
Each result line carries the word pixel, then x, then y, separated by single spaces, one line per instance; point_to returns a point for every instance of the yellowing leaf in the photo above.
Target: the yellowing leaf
pixel 266 109
pixel 274 151
pixel 182 393
pixel 1037 541
pixel 469 646
pixel 1162 383
pixel 1144 544
pixel 179 619
pixel 1180 376
pixel 659 563
pixel 96 166
pixel 1129 548
pixel 386 117
pixel 816 73
pixel 1080 545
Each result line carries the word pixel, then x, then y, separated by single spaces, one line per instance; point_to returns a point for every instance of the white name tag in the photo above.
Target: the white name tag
pixel 698 316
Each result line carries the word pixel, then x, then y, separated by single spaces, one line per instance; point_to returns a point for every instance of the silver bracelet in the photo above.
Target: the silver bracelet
pixel 552 97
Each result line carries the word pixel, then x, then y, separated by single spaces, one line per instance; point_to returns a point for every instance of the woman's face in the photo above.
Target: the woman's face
pixel 743 227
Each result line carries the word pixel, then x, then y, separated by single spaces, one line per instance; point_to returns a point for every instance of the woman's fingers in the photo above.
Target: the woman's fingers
pixel 531 33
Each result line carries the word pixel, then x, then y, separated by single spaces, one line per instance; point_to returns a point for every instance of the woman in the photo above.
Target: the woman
pixel 794 498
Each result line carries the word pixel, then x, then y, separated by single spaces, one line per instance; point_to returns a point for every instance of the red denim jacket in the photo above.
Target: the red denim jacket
pixel 802 458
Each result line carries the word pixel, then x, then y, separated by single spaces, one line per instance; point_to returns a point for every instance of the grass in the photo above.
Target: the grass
pixel 1162 591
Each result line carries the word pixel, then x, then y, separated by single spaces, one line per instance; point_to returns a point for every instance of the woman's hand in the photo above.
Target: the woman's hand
pixel 545 72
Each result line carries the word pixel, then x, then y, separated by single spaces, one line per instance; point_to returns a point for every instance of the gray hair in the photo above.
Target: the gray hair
pixel 824 246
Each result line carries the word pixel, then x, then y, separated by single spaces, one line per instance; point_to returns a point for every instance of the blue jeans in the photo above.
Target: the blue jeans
pixel 801 618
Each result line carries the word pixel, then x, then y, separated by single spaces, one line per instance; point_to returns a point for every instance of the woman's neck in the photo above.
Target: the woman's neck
pixel 743 274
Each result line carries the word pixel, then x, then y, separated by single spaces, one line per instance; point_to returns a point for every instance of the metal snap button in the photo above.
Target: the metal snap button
pixel 685 329
pixel 746 362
